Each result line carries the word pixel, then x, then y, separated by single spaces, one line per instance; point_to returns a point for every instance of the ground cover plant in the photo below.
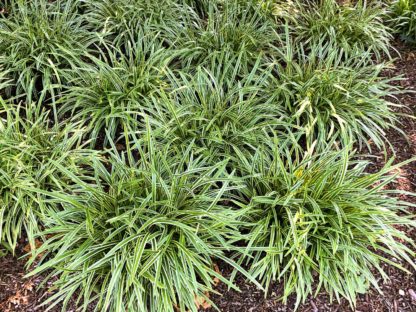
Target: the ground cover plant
pixel 145 235
pixel 346 24
pixel 41 42
pixel 237 27
pixel 404 19
pixel 30 149
pixel 119 21
pixel 330 97
pixel 321 216
pixel 142 143
pixel 209 111
pixel 111 93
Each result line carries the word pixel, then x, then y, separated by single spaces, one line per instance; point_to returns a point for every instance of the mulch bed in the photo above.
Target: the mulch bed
pixel 399 293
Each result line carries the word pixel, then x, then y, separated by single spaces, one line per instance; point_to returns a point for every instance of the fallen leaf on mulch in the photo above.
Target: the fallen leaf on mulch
pixel 201 302
pixel 412 294
pixel 216 279
pixel 411 56
pixel 29 285
pixel 28 248
pixel 16 300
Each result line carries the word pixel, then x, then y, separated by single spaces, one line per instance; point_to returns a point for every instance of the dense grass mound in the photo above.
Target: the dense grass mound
pixel 145 236
pixel 332 98
pixel 404 19
pixel 111 93
pixel 236 27
pixel 321 219
pixel 30 149
pixel 348 25
pixel 116 22
pixel 209 111
pixel 143 141
pixel 41 44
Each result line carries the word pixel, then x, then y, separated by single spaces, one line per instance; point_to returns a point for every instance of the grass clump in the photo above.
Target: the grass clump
pixel 29 147
pixel 235 27
pixel 4 83
pixel 403 20
pixel 333 98
pixel 348 26
pixel 116 22
pixel 322 222
pixel 111 94
pixel 41 44
pixel 212 112
pixel 142 238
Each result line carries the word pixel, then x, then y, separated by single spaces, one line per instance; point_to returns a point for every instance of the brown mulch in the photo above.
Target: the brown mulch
pixel 18 293
pixel 399 293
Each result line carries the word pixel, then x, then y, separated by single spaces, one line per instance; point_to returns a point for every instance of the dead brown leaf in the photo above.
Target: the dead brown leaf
pixel 201 302
pixel 28 248
pixel 216 279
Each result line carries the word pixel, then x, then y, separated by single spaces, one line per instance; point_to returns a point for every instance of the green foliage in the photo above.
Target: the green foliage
pixel 4 82
pixel 321 221
pixel 110 95
pixel 235 27
pixel 334 98
pixel 143 237
pixel 225 131
pixel 347 26
pixel 41 44
pixel 212 112
pixel 29 147
pixel 119 21
pixel 404 19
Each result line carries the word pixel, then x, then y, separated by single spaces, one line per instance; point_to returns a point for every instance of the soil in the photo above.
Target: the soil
pixel 18 293
pixel 398 293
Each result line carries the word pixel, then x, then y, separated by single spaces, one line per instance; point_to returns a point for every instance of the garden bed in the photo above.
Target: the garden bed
pixel 204 155
pixel 399 293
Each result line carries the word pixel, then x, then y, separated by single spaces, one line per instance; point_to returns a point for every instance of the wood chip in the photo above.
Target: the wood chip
pixel 412 294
